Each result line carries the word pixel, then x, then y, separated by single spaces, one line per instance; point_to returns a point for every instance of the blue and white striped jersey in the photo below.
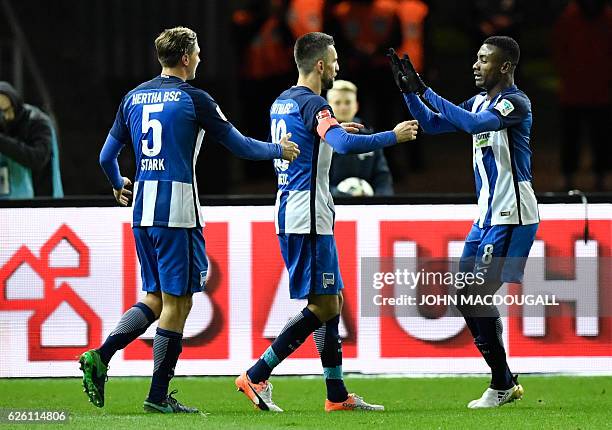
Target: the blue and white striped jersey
pixel 304 204
pixel 502 161
pixel 165 119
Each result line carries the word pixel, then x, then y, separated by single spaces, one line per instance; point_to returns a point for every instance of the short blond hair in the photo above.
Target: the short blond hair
pixel 342 85
pixel 173 43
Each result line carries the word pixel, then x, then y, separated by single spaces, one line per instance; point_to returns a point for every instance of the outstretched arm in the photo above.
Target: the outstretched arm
pixel 431 122
pixel 328 128
pixel 249 148
pixel 462 119
pixel 211 119
pixel 345 143
pixel 410 84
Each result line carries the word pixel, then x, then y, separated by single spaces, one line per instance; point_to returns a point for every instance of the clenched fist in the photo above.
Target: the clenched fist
pixel 406 131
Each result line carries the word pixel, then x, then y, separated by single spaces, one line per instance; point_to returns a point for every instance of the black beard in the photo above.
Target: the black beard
pixel 328 83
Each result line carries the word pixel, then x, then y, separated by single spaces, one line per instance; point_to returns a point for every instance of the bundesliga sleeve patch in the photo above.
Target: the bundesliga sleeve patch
pixel 325 121
pixel 504 107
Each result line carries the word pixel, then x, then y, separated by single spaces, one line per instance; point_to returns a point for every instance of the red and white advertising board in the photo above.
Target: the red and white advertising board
pixel 68 274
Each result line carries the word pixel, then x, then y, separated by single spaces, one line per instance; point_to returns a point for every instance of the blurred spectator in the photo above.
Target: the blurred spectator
pixel 582 51
pixel 494 18
pixel 412 14
pixel 265 65
pixel 346 170
pixel 305 16
pixel 29 156
pixel 363 31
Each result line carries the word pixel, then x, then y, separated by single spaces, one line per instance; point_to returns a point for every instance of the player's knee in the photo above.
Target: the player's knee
pixel 326 310
pixel 325 307
pixel 154 302
pixel 177 307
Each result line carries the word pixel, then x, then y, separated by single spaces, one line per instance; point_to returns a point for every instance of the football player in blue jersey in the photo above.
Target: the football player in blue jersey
pixel 304 218
pixel 499 120
pixel 164 120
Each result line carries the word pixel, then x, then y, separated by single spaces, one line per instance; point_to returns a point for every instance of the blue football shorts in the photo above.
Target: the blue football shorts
pixel 499 251
pixel 312 263
pixel 172 260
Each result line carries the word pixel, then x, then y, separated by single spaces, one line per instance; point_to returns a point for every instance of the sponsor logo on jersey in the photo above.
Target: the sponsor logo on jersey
pixel 504 213
pixel 482 139
pixel 504 107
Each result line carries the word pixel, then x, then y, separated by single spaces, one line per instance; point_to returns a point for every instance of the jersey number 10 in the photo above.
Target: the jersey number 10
pixel 277 130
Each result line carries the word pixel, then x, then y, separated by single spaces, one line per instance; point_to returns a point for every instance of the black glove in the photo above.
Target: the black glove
pixel 397 69
pixel 414 79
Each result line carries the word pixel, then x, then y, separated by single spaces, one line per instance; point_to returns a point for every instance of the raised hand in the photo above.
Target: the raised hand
pixel 397 69
pixel 414 79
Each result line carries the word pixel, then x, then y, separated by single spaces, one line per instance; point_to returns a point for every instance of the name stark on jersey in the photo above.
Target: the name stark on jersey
pixel 152 164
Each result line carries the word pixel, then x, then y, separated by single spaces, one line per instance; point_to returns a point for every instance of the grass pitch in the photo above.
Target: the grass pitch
pixel 562 402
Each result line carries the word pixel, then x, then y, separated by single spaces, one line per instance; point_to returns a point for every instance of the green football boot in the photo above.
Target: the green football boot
pixel 94 376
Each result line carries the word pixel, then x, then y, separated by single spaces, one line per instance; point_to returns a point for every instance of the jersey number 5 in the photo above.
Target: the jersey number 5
pixel 148 123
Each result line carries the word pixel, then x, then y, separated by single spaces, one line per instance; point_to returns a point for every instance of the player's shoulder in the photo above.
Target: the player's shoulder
pixel 151 84
pixel 517 97
pixel 304 97
pixel 198 95
pixel 513 102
